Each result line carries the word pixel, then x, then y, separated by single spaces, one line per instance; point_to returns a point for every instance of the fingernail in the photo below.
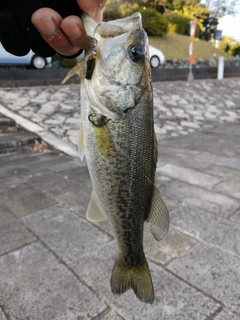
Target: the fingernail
pixel 99 13
pixel 98 16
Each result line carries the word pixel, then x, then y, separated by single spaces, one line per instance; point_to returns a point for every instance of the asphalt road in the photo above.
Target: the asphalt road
pixel 16 77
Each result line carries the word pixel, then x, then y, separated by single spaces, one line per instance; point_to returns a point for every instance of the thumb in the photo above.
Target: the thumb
pixel 93 8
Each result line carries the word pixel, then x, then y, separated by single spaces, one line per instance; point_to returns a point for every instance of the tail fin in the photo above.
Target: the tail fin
pixel 137 278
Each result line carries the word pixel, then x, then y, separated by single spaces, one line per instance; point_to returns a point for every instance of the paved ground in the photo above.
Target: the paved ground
pixel 180 107
pixel 54 264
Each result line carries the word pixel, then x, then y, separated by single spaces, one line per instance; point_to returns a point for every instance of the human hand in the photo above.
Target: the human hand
pixel 66 35
pixel 58 21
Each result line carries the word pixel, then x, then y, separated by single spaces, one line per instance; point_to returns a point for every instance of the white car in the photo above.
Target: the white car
pixel 31 59
pixel 157 58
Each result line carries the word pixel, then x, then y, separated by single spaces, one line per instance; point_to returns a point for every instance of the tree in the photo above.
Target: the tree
pixel 111 11
pixel 209 27
pixel 229 45
pixel 184 12
pixel 197 11
pixel 177 23
pixel 221 8
pixel 154 22
pixel 127 9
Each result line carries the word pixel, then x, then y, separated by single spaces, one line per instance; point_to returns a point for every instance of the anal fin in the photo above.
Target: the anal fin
pixel 95 211
pixel 158 219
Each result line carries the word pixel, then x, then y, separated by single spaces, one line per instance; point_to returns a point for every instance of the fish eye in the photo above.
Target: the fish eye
pixel 137 50
pixel 137 53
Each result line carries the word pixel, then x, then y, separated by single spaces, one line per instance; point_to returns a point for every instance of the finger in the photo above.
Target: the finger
pixel 93 8
pixel 73 28
pixel 48 23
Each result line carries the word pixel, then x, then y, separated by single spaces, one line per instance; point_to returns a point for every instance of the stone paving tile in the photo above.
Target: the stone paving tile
pixel 48 180
pixel 211 146
pixel 18 156
pixel 236 216
pixel 213 271
pixel 20 168
pixel 177 159
pixel 21 160
pixel 161 180
pixel 230 188
pixel 44 163
pixel 2 316
pixel 13 234
pixel 174 299
pixel 223 172
pixel 227 315
pixel 76 200
pixel 56 183
pixel 35 285
pixel 180 109
pixel 13 176
pixel 210 201
pixel 111 316
pixel 169 248
pixel 26 199
pixel 189 176
pixel 77 173
pixel 209 227
pixel 218 160
pixel 64 232
pixel 59 167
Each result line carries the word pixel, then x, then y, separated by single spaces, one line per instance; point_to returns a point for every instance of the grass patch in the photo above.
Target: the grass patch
pixel 176 46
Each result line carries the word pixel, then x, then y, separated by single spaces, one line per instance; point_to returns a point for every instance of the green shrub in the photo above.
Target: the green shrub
pixel 111 11
pixel 154 22
pixel 229 45
pixel 178 24
pixel 127 9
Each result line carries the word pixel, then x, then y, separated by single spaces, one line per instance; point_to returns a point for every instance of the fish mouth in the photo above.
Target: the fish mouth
pixel 123 35
pixel 119 29
pixel 120 26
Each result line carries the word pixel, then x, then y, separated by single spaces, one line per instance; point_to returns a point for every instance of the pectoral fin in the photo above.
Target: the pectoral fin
pixel 104 141
pixel 158 218
pixel 81 144
pixel 95 211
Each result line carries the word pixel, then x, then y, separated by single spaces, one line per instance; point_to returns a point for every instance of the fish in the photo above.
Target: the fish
pixel 118 140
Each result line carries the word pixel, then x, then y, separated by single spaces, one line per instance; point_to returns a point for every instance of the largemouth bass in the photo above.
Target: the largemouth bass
pixel 117 137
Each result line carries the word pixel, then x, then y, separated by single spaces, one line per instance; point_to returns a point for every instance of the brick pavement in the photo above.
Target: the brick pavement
pixel 180 107
pixel 54 264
